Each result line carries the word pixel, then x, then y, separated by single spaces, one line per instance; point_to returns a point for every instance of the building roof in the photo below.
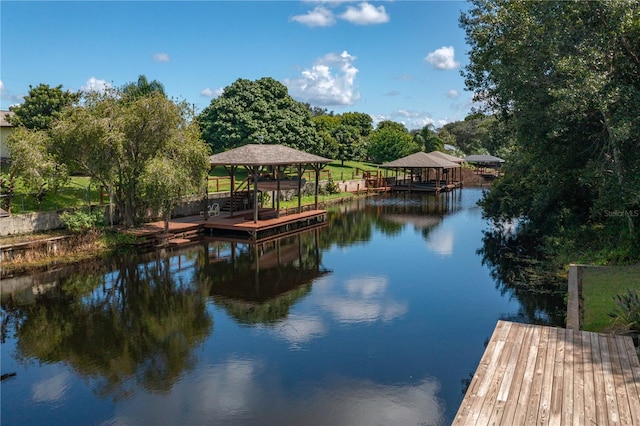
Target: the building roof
pixel 3 118
pixel 483 159
pixel 264 155
pixel 448 157
pixel 421 160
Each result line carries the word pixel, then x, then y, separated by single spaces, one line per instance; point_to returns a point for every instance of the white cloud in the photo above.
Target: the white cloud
pixel 443 58
pixel 95 85
pixel 7 95
pixel 365 14
pixel 441 241
pixel 321 86
pixel 232 392
pixel 161 57
pixel 210 93
pixel 364 301
pixel 318 17
pixel 411 119
pixel 52 389
pixel 298 329
pixel 453 94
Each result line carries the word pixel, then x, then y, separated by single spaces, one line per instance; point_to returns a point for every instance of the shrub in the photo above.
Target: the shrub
pixel 83 220
pixel 331 187
pixel 627 312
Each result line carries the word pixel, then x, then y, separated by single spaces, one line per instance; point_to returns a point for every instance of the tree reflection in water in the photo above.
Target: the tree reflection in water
pixel 522 272
pixel 136 326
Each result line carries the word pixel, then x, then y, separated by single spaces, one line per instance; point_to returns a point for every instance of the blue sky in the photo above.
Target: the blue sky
pixel 395 60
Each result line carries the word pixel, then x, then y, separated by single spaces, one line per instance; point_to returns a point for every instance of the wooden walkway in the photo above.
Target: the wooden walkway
pixel 552 376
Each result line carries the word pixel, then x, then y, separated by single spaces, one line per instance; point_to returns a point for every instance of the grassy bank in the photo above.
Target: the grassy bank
pixel 599 285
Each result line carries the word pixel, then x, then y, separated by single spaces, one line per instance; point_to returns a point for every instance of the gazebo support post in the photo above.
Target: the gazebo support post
pixel 277 193
pixel 300 173
pixel 317 167
pixel 255 173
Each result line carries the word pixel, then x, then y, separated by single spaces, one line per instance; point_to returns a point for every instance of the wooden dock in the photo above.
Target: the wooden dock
pixel 553 376
pixel 242 225
pixel 237 227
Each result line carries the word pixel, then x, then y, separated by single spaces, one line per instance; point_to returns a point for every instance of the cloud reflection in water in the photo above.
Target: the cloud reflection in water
pixel 365 300
pixel 231 394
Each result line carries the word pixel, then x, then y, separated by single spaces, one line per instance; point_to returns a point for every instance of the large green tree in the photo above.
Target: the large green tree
pixel 391 141
pixel 564 79
pixel 33 164
pixel 41 106
pixel 428 139
pixel 259 111
pixel 123 144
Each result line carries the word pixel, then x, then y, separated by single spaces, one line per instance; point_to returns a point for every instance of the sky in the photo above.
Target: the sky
pixel 394 60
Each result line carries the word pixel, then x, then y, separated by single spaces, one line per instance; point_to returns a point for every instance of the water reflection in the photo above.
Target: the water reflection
pixel 258 283
pixel 360 299
pixel 374 319
pixel 520 271
pixel 235 393
pixel 134 327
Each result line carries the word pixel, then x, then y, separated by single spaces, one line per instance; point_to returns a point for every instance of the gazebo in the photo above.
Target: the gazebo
pixel 257 158
pixel 448 157
pixel 444 171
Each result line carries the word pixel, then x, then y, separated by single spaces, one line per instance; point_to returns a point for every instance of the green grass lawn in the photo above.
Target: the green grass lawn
pixel 599 285
pixel 79 191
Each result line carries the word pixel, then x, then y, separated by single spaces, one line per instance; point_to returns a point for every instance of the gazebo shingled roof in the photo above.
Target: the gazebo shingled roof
pixel 264 155
pixel 448 157
pixel 421 160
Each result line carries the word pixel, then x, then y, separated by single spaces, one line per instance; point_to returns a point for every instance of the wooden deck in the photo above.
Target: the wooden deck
pixel 237 227
pixel 552 376
pixel 242 224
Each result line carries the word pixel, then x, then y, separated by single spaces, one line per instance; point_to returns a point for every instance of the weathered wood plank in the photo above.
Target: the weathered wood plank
pixel 520 338
pixel 536 386
pixel 570 378
pixel 590 415
pixel 620 394
pixel 599 389
pixel 609 385
pixel 491 401
pixel 557 386
pixel 522 376
pixel 502 329
pixel 474 402
pixel 631 376
pixel 542 375
pixel 547 378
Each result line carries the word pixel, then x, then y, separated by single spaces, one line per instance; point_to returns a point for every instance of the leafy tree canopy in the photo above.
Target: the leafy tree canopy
pixel 391 141
pixel 428 139
pixel 42 106
pixel 259 111
pixel 123 143
pixel 562 78
pixel 142 87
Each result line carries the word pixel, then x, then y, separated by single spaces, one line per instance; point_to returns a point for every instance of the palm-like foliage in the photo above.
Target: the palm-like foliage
pixel 143 87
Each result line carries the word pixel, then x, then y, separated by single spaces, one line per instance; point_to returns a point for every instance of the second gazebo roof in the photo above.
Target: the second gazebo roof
pixel 421 160
pixel 264 155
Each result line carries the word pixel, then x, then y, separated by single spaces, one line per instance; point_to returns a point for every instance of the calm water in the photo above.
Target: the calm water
pixel 379 318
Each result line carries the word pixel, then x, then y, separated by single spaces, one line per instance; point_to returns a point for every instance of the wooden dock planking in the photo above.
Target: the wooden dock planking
pixel 543 375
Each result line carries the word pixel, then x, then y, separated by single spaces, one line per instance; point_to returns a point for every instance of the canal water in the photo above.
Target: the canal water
pixel 380 317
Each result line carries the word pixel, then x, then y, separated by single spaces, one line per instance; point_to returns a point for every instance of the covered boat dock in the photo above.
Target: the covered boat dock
pixel 267 165
pixel 427 172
